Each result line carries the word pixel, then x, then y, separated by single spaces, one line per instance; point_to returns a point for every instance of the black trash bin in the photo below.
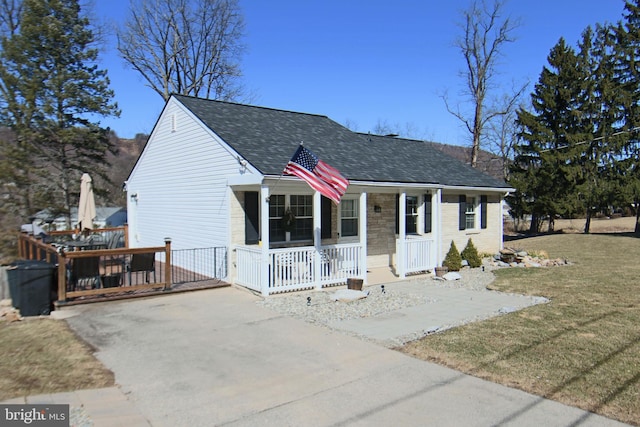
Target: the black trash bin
pixel 30 286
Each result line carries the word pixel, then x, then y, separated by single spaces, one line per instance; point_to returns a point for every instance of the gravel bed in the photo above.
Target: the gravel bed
pixel 323 309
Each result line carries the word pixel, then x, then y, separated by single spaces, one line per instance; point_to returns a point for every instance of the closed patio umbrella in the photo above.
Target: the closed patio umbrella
pixel 87 205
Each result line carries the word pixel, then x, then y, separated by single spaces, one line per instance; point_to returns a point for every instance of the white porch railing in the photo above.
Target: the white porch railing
pixel 417 254
pixel 340 262
pixel 293 269
pixel 248 266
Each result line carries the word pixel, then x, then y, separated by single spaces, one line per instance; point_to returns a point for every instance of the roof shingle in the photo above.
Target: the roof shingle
pixel 267 138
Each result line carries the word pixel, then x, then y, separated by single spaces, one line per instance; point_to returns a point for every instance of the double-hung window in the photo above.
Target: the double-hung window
pixel 302 209
pixel 348 217
pixel 276 214
pixel 411 215
pixel 470 213
pixel 281 208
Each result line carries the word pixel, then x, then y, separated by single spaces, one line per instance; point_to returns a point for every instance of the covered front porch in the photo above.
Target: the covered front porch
pixel 376 233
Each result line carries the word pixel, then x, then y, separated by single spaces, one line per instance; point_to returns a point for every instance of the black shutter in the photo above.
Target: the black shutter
pixel 462 220
pixel 483 211
pixel 325 220
pixel 427 213
pixel 251 218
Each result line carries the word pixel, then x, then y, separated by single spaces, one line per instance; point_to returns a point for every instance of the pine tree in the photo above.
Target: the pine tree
pixel 470 254
pixel 626 164
pixel 53 92
pixel 601 113
pixel 453 260
pixel 543 171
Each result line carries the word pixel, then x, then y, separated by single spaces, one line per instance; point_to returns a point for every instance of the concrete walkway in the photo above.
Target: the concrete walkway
pixel 214 358
pixel 104 407
pixel 447 307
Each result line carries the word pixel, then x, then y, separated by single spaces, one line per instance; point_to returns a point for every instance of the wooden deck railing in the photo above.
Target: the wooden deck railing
pixel 98 272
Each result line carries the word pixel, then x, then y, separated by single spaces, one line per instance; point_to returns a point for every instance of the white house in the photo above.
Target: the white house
pixel 211 175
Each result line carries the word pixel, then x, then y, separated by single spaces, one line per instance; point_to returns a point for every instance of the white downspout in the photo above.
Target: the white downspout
pixel 501 220
pixel 438 227
pixel 264 239
pixel 402 234
pixel 363 235
pixel 317 239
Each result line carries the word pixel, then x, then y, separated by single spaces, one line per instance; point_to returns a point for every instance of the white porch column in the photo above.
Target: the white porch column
pixel 402 234
pixel 362 232
pixel 317 239
pixel 501 220
pixel 437 212
pixel 264 239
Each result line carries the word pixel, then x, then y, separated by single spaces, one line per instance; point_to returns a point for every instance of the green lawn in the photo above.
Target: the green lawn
pixel 582 349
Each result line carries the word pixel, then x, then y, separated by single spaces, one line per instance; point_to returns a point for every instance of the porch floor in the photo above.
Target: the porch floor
pixel 380 275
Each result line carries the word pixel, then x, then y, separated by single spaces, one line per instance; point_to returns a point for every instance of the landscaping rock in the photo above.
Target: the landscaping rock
pixel 346 295
pixel 509 257
pixel 452 275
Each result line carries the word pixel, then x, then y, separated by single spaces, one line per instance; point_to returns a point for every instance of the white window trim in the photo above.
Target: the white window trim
pixel 349 239
pixel 418 214
pixel 287 234
pixel 476 212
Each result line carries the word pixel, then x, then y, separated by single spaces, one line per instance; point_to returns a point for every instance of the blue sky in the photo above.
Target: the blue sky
pixel 365 61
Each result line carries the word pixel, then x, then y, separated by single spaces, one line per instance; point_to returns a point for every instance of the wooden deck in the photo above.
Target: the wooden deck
pixel 86 273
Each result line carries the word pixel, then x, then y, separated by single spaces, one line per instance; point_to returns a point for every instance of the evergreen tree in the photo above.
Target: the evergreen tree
pixel 471 255
pixel 543 170
pixel 53 91
pixel 627 63
pixel 601 113
pixel 453 260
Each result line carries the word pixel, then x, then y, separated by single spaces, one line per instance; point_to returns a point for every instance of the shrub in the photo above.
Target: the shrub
pixel 470 253
pixel 453 260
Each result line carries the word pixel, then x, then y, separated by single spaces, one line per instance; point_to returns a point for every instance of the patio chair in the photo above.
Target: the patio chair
pixel 85 273
pixel 142 263
pixel 115 241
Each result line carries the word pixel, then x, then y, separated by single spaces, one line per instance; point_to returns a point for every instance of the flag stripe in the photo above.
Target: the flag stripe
pixel 315 182
pixel 332 176
pixel 319 175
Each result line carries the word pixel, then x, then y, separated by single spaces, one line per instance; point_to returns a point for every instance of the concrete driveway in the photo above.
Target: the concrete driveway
pixel 216 358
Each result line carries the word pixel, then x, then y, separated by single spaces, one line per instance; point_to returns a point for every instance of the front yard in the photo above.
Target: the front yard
pixel 582 349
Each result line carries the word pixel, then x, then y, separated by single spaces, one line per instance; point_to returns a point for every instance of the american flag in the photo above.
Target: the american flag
pixel 319 175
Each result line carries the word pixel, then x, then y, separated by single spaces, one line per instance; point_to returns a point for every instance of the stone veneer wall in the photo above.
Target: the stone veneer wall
pixel 381 230
pixel 485 240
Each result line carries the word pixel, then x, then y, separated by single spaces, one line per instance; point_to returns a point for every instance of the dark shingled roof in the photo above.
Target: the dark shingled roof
pixel 267 138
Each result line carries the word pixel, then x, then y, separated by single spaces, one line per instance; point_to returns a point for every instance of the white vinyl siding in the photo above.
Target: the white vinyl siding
pixel 181 182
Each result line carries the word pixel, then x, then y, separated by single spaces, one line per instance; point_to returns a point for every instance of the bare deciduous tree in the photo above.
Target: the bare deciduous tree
pixel 9 16
pixel 502 132
pixel 185 47
pixel 485 34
